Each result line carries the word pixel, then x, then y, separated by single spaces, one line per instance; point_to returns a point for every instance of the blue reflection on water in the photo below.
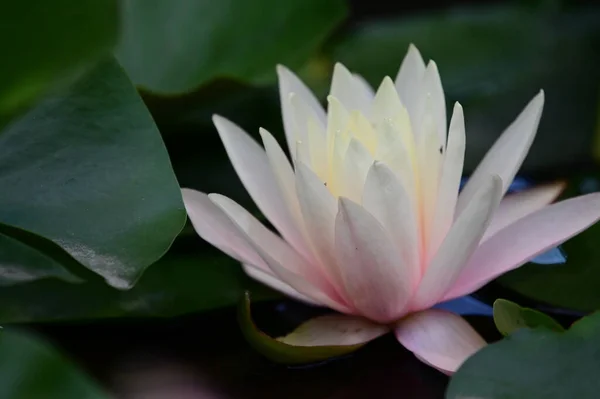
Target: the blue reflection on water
pixel 553 256
pixel 466 305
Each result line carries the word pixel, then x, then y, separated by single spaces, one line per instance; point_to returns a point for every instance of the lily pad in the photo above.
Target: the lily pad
pixel 534 363
pixel 44 45
pixel 87 169
pixel 31 368
pixel 174 47
pixel 180 283
pixel 278 351
pixel 510 317
pixel 21 263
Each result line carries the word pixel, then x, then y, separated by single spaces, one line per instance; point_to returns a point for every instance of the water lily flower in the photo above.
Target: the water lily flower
pixel 369 219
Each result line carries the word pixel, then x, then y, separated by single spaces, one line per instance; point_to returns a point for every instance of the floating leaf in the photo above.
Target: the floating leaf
pixel 534 363
pixel 279 351
pixel 30 368
pixel 179 283
pixel 174 47
pixel 88 170
pixel 510 317
pixel 21 263
pixel 43 45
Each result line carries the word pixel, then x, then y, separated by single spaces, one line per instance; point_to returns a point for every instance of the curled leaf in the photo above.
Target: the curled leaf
pixel 318 339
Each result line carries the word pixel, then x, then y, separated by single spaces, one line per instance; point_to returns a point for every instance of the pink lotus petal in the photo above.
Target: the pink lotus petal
pixel 376 281
pixel 389 202
pixel 458 246
pixel 451 173
pixel 290 83
pixel 274 282
pixel 335 330
pixel 252 166
pixel 283 260
pixel 263 237
pixel 319 209
pixel 284 174
pixel 508 152
pixel 525 239
pixel 214 226
pixel 439 338
pixel 515 206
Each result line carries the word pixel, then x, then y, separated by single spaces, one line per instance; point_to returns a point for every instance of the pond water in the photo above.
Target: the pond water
pixel 205 356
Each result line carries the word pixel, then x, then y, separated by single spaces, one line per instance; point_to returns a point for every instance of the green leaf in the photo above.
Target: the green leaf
pixel 42 45
pixel 535 363
pixel 174 47
pixel 20 263
pixel 177 284
pixel 279 352
pixel 31 368
pixel 510 317
pixel 88 170
pixel 494 71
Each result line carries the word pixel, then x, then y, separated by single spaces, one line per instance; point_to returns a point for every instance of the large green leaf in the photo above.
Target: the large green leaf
pixel 494 71
pixel 181 282
pixel 535 363
pixel 574 284
pixel 43 44
pixel 173 47
pixel 88 170
pixel 20 263
pixel 30 369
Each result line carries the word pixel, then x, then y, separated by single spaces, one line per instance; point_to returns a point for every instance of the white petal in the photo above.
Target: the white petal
pixel 528 237
pixel 310 134
pixel 319 208
pixel 376 281
pixel 307 288
pixel 285 178
pixel 432 86
pixel 283 261
pixel 387 108
pixel 409 79
pixel 515 206
pixel 338 140
pixel 214 226
pixel 458 246
pixel 441 339
pixel 364 85
pixel 399 157
pixel 334 330
pixel 350 91
pixel 508 152
pixel 274 282
pixel 357 162
pixel 252 166
pixel 262 236
pixel 429 171
pixel 386 199
pixel 449 180
pixel 290 83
